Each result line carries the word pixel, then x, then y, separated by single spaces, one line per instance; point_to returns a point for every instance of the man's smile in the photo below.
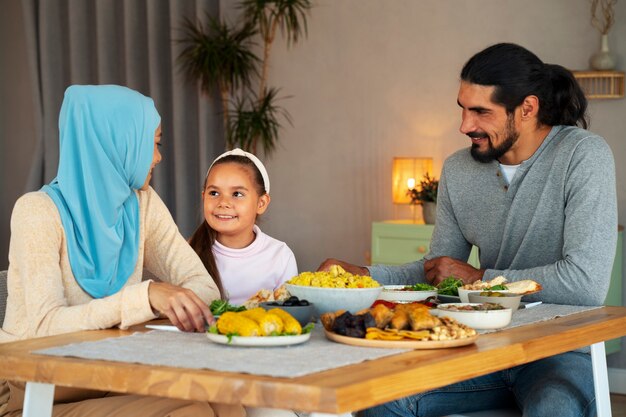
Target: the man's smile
pixel 478 137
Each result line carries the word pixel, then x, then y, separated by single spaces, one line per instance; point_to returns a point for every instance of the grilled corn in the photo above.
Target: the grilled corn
pixel 291 325
pixel 269 323
pixel 236 323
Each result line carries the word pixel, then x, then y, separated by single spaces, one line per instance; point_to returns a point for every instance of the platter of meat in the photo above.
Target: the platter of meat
pixel 409 326
pixel 400 344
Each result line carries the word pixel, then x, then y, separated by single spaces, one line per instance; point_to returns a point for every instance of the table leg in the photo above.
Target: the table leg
pixel 601 380
pixel 38 400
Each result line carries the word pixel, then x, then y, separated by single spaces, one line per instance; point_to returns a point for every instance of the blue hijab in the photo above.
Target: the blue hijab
pixel 106 149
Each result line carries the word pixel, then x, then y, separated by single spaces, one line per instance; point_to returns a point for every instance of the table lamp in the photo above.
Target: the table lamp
pixel 405 174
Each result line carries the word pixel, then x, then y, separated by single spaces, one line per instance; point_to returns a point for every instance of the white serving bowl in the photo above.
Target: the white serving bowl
pixel 476 319
pixel 463 294
pixel 332 299
pixel 396 294
pixel 508 300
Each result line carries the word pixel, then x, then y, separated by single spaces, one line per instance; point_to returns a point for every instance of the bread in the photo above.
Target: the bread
pixel 260 297
pixel 382 315
pixel 281 293
pixel 421 319
pixel 526 286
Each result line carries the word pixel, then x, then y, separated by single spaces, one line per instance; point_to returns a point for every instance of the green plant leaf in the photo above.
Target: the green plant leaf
pixel 289 15
pixel 426 191
pixel 256 122
pixel 218 55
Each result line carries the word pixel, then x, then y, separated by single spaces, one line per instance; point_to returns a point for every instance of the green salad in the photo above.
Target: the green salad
pixel 218 307
pixel 419 287
pixel 449 286
pixel 500 287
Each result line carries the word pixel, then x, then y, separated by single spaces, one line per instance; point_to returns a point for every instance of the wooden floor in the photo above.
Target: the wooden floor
pixel 618 405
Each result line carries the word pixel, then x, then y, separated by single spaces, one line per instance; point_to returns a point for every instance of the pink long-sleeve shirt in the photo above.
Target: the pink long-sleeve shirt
pixel 264 264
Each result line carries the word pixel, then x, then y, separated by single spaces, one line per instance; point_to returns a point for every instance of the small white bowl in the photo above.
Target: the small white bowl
pixel 332 299
pixel 396 294
pixel 508 300
pixel 463 294
pixel 476 319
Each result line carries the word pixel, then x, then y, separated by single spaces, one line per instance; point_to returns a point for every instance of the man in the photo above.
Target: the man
pixel 536 194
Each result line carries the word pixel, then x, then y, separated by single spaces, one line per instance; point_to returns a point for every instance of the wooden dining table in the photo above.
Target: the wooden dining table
pixel 335 392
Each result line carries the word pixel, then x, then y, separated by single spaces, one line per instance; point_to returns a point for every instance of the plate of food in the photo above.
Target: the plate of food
pixel 452 290
pixel 258 341
pixel 409 326
pixel 407 293
pixel 258 327
pixel 405 343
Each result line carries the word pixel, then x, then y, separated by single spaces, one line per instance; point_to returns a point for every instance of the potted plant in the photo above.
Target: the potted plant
pixel 222 57
pixel 425 194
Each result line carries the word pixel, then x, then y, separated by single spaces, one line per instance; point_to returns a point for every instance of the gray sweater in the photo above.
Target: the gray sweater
pixel 556 223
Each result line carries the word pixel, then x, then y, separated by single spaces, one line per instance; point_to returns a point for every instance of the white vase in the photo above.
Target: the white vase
pixel 603 60
pixel 429 212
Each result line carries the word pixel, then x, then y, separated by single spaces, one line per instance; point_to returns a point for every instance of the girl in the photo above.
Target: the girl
pixel 238 255
pixel 79 246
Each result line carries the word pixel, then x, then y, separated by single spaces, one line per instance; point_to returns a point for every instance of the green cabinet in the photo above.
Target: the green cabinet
pixel 396 242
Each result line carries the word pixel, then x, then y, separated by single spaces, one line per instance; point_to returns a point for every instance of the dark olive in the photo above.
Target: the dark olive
pixel 303 303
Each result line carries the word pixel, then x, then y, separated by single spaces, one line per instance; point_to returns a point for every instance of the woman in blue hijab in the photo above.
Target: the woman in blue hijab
pixel 80 245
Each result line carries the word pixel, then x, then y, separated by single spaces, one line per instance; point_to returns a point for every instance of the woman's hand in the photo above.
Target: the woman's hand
pixel 182 306
pixel 353 269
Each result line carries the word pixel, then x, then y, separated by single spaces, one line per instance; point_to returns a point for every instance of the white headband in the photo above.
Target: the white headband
pixel 257 162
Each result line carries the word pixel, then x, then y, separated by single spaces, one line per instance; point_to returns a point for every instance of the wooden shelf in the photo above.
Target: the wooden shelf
pixel 601 84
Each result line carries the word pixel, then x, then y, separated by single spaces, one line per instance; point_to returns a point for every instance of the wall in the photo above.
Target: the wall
pixel 16 117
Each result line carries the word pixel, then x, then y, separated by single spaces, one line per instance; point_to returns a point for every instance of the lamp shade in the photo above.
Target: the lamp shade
pixel 406 172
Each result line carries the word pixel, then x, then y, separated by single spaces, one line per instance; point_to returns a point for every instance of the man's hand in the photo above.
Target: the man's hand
pixel 438 269
pixel 182 306
pixel 353 269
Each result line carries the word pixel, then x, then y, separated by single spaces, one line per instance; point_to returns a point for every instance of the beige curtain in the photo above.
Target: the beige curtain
pixel 131 43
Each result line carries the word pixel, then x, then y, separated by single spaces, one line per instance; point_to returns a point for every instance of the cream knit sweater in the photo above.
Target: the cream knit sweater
pixel 45 299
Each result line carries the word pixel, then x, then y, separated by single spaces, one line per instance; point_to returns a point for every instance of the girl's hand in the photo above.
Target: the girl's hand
pixel 182 306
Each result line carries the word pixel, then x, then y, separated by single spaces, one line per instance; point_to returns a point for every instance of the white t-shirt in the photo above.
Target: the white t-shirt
pixel 508 171
pixel 264 264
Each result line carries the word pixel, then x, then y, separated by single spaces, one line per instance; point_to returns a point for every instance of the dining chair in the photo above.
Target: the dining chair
pixel 3 295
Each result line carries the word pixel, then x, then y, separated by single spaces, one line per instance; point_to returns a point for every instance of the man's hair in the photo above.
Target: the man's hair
pixel 516 73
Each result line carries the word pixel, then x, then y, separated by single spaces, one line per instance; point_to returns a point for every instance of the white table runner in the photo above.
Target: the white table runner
pixel 195 351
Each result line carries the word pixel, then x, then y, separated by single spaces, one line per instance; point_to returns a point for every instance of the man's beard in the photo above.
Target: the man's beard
pixel 491 154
